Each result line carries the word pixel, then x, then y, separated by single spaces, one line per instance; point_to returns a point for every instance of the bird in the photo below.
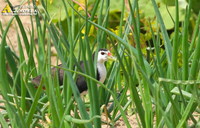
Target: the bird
pixel 102 56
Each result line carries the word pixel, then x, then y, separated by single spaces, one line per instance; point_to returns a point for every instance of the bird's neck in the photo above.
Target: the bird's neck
pixel 102 71
pixel 100 66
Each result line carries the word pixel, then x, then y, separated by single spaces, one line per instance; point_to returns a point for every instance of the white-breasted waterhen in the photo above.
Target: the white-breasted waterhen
pixel 102 57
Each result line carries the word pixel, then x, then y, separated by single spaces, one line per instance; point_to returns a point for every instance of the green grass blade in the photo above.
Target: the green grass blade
pixel 175 43
pixel 3 121
pixel 24 36
pixel 196 57
pixel 186 113
pixel 168 46
pixel 185 45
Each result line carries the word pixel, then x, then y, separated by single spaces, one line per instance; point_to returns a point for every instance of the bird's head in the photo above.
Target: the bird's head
pixel 104 55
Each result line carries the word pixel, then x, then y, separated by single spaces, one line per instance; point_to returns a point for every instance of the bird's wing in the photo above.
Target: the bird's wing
pixel 80 81
pixel 36 80
pixel 60 74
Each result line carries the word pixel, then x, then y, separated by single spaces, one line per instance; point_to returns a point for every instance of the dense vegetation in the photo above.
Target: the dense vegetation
pixel 155 78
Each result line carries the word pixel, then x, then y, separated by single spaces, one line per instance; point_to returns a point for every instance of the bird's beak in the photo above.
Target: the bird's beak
pixel 110 57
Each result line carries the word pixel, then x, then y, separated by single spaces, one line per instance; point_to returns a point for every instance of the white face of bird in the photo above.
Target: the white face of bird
pixel 104 55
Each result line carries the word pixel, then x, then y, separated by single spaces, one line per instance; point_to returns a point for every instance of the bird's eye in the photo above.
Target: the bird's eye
pixel 102 53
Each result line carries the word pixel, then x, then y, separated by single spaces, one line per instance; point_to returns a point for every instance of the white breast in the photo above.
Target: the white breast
pixel 102 71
